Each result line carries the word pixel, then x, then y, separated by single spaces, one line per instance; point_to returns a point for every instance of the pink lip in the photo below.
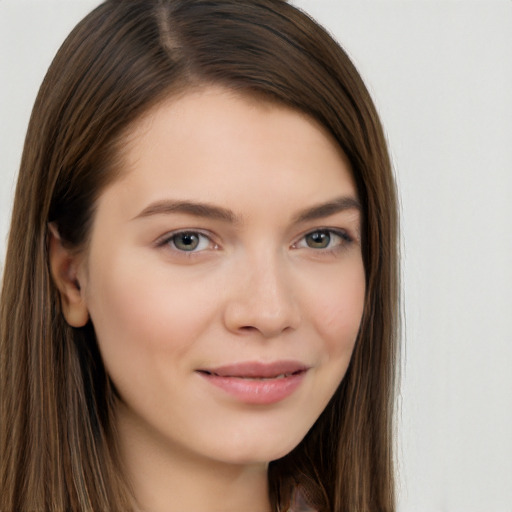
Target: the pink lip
pixel 255 382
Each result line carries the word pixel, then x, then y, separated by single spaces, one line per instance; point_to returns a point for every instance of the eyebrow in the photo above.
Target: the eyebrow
pixel 206 210
pixel 320 211
pixel 197 209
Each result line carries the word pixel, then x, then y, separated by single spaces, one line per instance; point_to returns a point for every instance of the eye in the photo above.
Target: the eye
pixel 188 241
pixel 323 239
pixel 318 239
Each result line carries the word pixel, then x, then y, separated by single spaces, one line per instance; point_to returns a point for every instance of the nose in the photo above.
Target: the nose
pixel 261 299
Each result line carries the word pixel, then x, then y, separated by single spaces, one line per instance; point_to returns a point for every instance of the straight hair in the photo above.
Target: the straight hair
pixel 57 403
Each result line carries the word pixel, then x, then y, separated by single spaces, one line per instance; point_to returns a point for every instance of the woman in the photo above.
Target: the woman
pixel 200 289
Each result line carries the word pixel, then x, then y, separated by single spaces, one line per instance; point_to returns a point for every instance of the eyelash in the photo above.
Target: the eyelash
pixel 345 239
pixel 169 240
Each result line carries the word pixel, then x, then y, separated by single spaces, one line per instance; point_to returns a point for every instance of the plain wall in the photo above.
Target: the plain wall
pixel 441 75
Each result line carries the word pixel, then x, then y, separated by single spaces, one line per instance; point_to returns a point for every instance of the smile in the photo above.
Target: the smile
pixel 257 383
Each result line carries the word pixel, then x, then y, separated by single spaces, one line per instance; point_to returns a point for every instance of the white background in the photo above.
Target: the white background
pixel 441 75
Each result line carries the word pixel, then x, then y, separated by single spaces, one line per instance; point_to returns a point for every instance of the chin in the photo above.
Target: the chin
pixel 257 448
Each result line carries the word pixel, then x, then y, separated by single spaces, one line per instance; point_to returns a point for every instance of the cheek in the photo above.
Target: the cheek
pixel 141 314
pixel 337 312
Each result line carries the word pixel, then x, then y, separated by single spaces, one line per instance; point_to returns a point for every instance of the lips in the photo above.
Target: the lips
pixel 256 370
pixel 255 382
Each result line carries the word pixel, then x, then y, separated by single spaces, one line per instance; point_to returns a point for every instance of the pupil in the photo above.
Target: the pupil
pixel 318 239
pixel 186 241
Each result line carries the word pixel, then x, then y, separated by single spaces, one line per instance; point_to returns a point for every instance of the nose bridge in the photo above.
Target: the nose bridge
pixel 264 297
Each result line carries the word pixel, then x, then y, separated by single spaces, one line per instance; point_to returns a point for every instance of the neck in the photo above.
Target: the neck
pixel 169 478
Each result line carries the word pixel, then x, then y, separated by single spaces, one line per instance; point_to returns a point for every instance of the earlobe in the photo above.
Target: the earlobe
pixel 64 266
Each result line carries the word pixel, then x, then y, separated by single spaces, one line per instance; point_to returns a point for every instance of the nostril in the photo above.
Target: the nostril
pixel 248 328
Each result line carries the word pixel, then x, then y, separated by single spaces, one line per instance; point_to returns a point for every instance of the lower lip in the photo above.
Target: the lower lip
pixel 257 391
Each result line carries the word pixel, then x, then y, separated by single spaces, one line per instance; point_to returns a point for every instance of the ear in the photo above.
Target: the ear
pixel 64 266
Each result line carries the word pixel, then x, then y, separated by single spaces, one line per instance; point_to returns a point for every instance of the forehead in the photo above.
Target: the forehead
pixel 212 114
pixel 220 145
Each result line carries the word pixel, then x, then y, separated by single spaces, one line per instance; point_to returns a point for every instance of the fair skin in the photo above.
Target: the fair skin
pixel 268 279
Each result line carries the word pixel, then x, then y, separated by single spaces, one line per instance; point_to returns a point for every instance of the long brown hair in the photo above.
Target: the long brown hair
pixel 57 404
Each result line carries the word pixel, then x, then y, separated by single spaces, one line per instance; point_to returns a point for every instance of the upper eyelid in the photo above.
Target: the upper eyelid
pixel 336 230
pixel 348 220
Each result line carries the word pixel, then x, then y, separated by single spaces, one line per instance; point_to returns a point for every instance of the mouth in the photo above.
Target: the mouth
pixel 246 377
pixel 257 370
pixel 255 382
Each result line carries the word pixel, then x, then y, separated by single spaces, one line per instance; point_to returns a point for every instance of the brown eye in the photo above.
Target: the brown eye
pixel 318 239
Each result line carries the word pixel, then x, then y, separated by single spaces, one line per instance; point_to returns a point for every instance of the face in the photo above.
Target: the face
pixel 224 276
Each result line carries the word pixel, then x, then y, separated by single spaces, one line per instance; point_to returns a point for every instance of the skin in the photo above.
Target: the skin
pixel 256 288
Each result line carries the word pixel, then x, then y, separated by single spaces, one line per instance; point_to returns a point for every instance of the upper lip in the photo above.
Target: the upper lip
pixel 256 369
